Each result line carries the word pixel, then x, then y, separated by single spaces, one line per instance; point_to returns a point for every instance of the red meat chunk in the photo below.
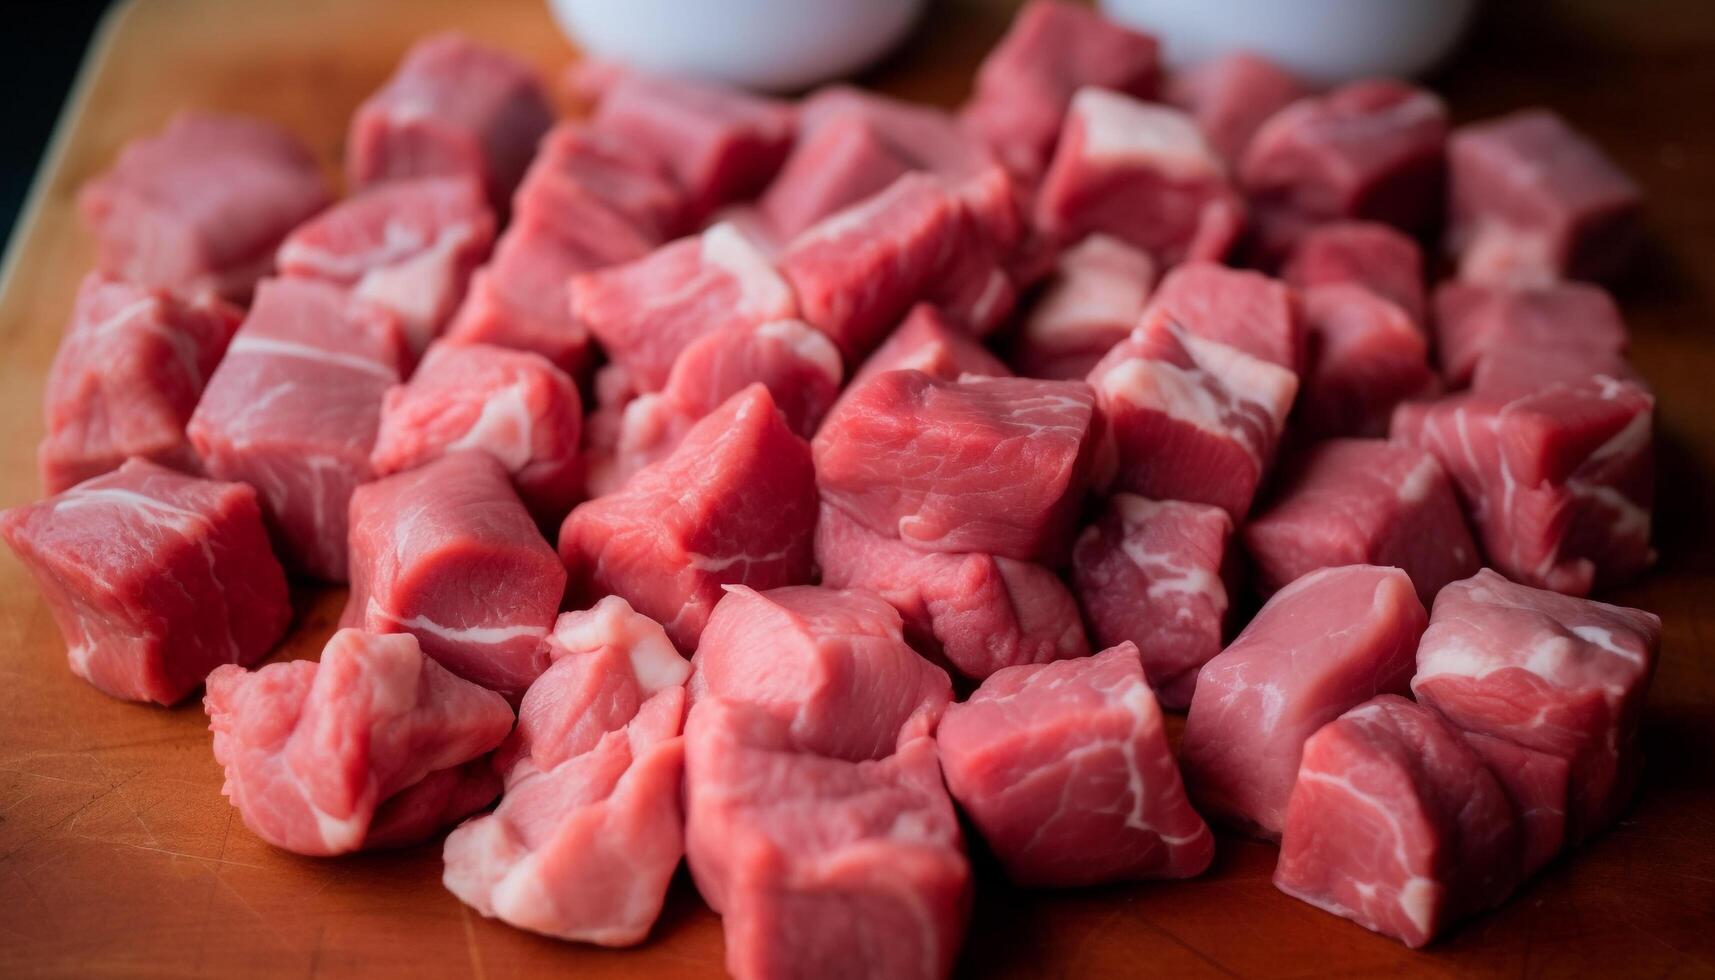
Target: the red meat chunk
pixel 519 299
pixel 1366 356
pixel 1237 307
pixel 925 341
pixel 1092 302
pixel 1539 785
pixel 1232 95
pixel 1568 330
pixel 1362 253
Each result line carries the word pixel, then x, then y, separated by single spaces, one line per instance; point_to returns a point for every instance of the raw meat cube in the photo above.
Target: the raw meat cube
pixel 1559 675
pixel 316 754
pixel 975 612
pixel 1185 418
pixel 1232 95
pixel 1556 322
pixel 1066 771
pixel 432 804
pixel 1154 573
pixel 1362 502
pixel 510 404
pixel 859 270
pixel 587 837
pixel 447 553
pixel 1397 824
pixel 1366 356
pixel 1027 81
pixel 831 664
pixel 1538 783
pixel 925 341
pixel 410 246
pixel 520 299
pixel 941 464
pixel 645 313
pixel 1321 646
pixel 1237 307
pixel 1532 201
pixel 799 366
pixel 720 144
pixel 822 867
pixel 1362 253
pixel 129 370
pixel 834 165
pixel 453 108
pixel 153 577
pixel 599 190
pixel 293 410
pixel 1093 301
pixel 735 503
pixel 1369 149
pixel 1141 172
pixel 202 205
pixel 1558 481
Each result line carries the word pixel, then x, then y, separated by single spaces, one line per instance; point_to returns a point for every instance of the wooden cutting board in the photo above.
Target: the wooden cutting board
pixel 119 856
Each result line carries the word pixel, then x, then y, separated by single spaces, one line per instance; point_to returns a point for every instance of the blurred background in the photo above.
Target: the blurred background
pixel 39 54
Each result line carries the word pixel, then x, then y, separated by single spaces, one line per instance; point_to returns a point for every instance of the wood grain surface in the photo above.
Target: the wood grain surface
pixel 118 856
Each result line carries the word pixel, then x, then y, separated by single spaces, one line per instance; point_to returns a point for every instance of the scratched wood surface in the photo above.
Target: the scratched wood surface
pixel 118 856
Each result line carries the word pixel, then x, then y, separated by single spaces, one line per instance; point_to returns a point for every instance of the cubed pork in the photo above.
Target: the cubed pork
pixel 1092 302
pixel 1556 324
pixel 1154 573
pixel 1556 674
pixel 511 404
pixel 1539 785
pixel 410 246
pixel 293 410
pixel 447 553
pixel 1187 418
pixel 130 367
pixel 1558 480
pixel 319 754
pixel 452 108
pixel 1321 646
pixel 1365 357
pixel 834 165
pixel 1232 95
pixel 1375 256
pixel 1397 824
pixel 1237 307
pixel 1362 502
pixel 735 503
pixel 1532 200
pixel 1065 770
pixel 926 341
pixel 153 577
pixel 202 205
pixel 519 299
pixel 942 465
pixel 590 831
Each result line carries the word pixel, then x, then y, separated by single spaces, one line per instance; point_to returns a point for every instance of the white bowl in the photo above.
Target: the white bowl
pixel 1325 41
pixel 776 45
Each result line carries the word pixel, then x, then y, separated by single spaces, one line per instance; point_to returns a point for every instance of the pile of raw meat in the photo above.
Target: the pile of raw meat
pixel 897 416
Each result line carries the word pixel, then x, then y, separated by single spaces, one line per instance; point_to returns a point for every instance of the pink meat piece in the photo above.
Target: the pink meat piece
pixel 1361 253
pixel 1066 772
pixel 1369 149
pixel 447 553
pixel 735 503
pixel 820 866
pixel 452 108
pixel 1232 95
pixel 1562 322
pixel 587 837
pixel 1255 313
pixel 1366 356
pixel 293 411
pixel 1141 172
pixel 130 368
pixel 519 299
pixel 927 341
pixel 1397 824
pixel 153 578
pixel 935 463
pixel 839 163
pixel 437 801
pixel 859 270
pixel 1186 418
pixel 315 753
pixel 1556 674
pixel 1154 573
pixel 202 205
pixel 513 405
pixel 602 191
pixel 974 612
pixel 1532 201
pixel 1092 302
pixel 1321 646
pixel 1539 784
pixel 720 144
pixel 1558 481
pixel 1052 50
pixel 1362 502
pixel 646 312
pixel 409 246
pixel 799 366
